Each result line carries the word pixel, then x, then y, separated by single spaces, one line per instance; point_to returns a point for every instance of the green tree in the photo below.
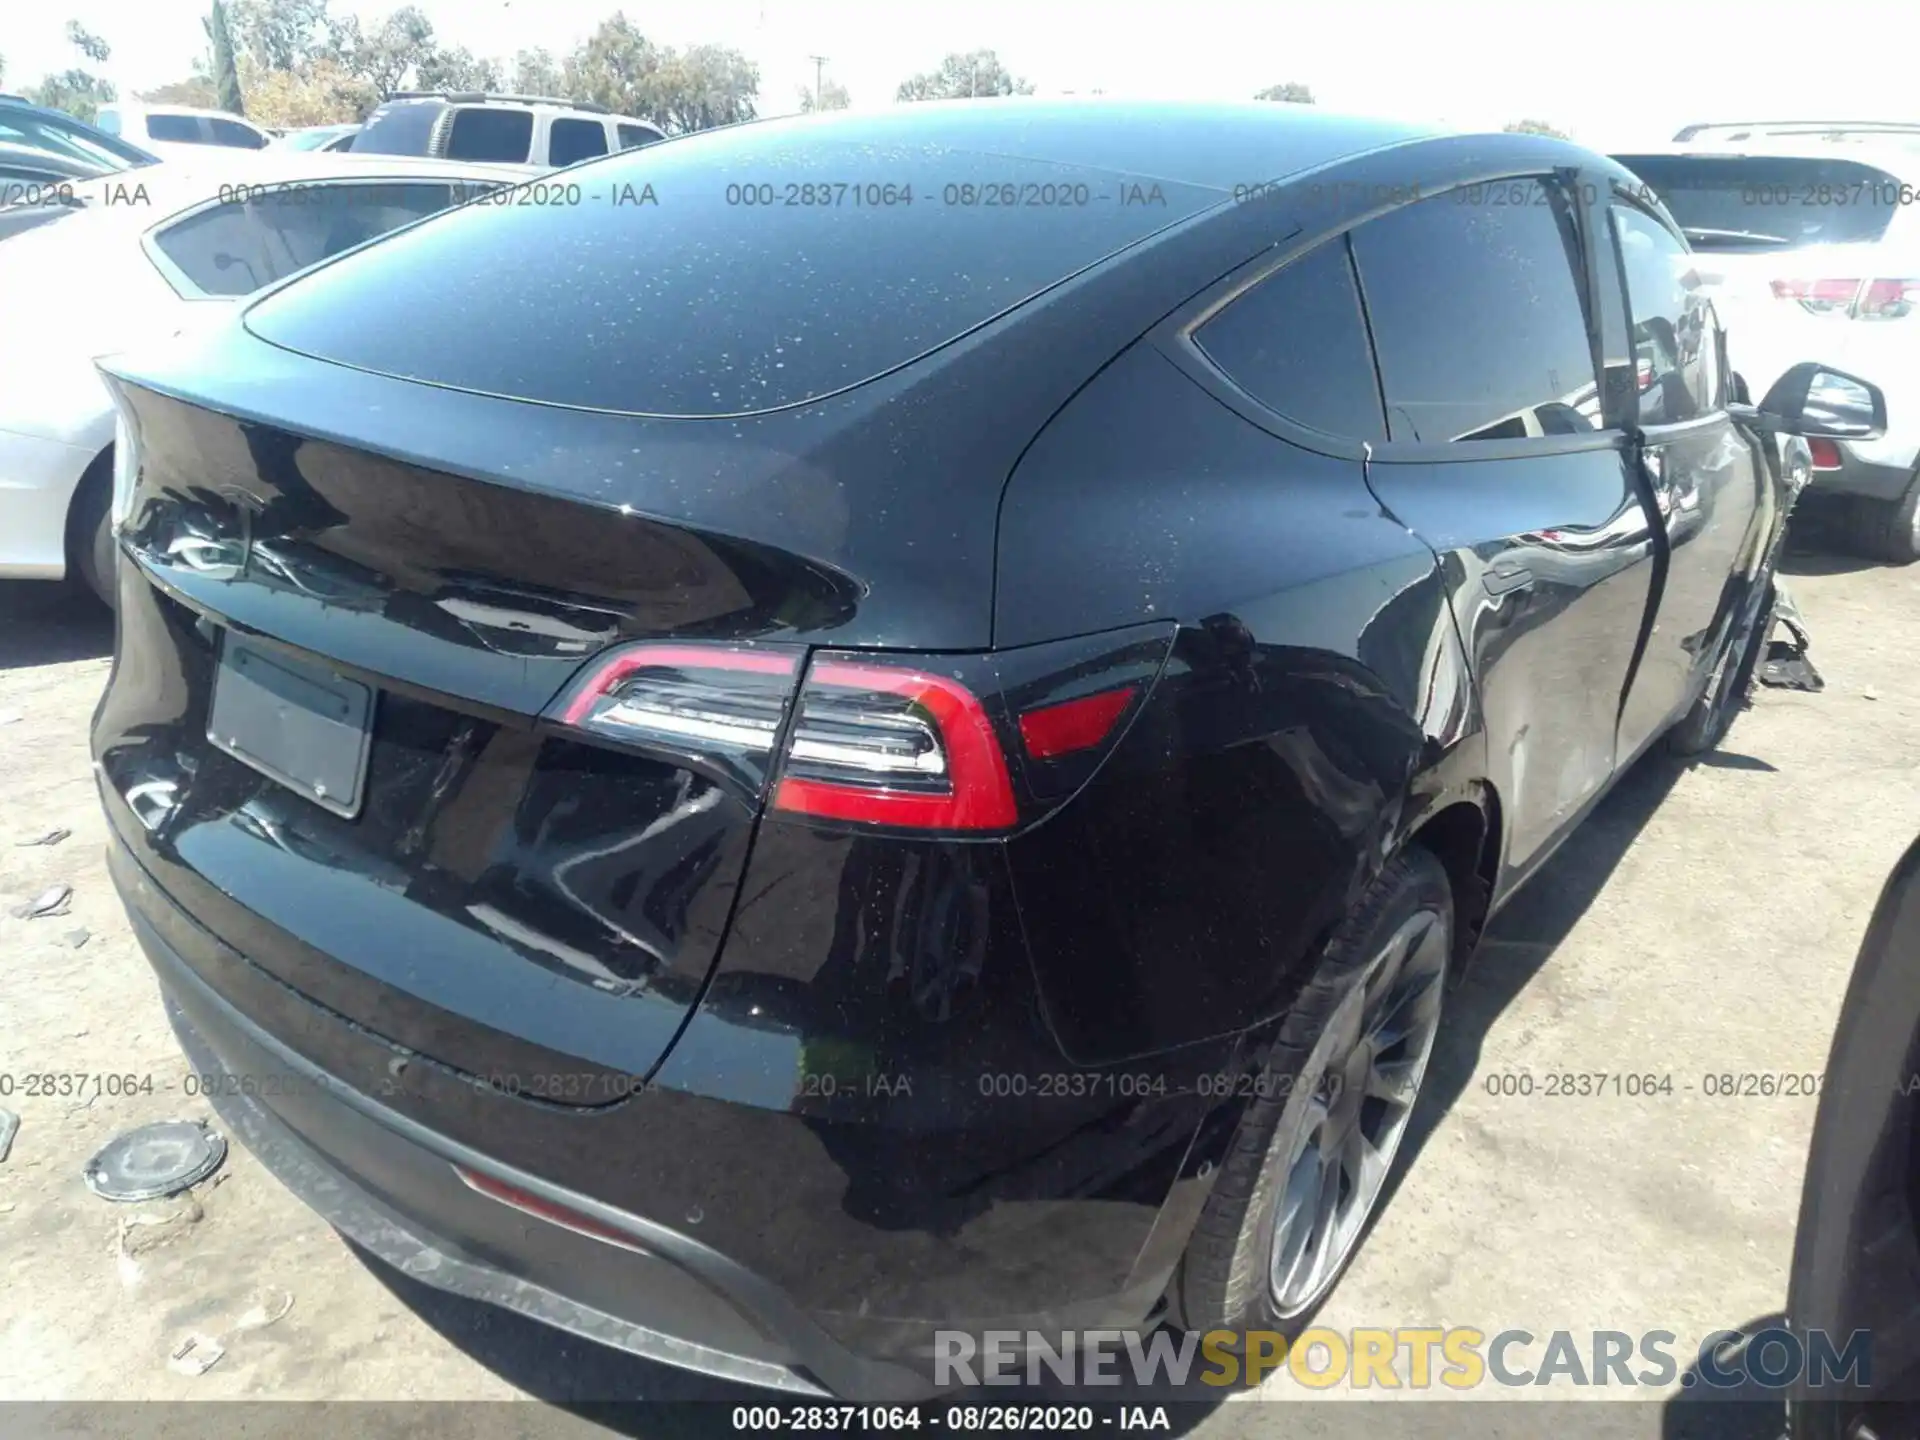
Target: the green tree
pixel 536 72
pixel 617 67
pixel 3 69
pixel 1291 91
pixel 280 34
pixel 705 86
pixel 457 69
pixel 1534 127
pixel 79 92
pixel 386 57
pixel 978 72
pixel 833 96
pixel 196 90
pixel 226 71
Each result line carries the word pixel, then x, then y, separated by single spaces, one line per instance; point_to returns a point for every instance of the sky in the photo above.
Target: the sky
pixel 1613 74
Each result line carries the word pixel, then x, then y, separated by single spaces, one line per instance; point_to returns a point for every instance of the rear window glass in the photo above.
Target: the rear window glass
pixel 722 273
pixel 177 129
pixel 1765 202
pixel 571 141
pixel 634 136
pixel 1297 343
pixel 501 135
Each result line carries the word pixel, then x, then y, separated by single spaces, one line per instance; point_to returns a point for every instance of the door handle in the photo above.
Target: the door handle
pixel 1506 576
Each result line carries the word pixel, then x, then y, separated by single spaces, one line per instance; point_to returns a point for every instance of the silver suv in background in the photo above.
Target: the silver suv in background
pixel 1807 237
pixel 536 130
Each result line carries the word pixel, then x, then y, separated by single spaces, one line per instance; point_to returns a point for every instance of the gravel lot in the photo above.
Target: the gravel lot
pixel 1704 922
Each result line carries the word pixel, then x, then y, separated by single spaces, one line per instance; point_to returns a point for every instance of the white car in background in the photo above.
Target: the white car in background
pixel 139 257
pixel 1807 236
pixel 178 131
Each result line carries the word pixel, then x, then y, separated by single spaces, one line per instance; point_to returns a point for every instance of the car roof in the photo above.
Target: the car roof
pixel 1218 144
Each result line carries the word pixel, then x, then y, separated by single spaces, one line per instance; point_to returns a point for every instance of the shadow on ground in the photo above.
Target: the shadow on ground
pixel 48 623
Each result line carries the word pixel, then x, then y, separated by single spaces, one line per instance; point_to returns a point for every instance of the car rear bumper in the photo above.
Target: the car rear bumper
pixel 1876 479
pixel 771 1289
pixel 392 1185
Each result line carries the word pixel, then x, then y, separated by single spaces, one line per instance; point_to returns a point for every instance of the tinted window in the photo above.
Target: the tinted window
pixel 1476 316
pixel 682 285
pixel 632 137
pixel 482 134
pixel 571 141
pixel 109 121
pixel 1296 342
pixel 236 136
pixel 1770 202
pixel 1673 330
pixel 180 129
pixel 235 248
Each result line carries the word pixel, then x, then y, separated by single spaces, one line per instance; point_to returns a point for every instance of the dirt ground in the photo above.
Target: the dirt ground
pixel 1703 923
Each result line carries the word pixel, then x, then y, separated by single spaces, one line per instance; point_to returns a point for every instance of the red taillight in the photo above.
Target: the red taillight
pixel 1889 299
pixel 717 705
pixel 527 1203
pixel 1073 725
pixel 1826 454
pixel 892 745
pixel 1880 299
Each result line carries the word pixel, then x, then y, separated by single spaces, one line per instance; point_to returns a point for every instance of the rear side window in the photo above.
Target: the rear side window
pixel 109 121
pixel 1771 202
pixel 632 137
pixel 1297 343
pixel 571 141
pixel 683 282
pixel 1673 341
pixel 478 133
pixel 236 247
pixel 1476 316
pixel 179 129
pixel 235 136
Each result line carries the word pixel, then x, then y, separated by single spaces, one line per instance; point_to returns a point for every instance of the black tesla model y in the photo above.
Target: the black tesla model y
pixel 848 728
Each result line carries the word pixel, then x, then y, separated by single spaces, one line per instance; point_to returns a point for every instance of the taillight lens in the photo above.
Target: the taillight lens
pixel 1886 298
pixel 1889 299
pixel 723 707
pixel 891 745
pixel 1818 297
pixel 1074 725
pixel 1826 454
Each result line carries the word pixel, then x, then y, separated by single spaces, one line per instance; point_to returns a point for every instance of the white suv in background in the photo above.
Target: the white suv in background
pixel 176 131
pixel 534 130
pixel 1807 235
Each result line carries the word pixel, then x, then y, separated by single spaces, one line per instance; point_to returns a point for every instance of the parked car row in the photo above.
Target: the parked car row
pixel 911 766
pixel 1808 241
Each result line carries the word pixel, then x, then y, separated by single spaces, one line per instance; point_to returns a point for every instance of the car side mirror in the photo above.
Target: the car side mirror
pixel 1813 399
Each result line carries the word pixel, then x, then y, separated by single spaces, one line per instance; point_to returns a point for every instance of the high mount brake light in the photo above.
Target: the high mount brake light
pixel 891 745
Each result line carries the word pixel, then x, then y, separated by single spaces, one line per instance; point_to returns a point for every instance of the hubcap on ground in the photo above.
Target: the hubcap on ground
pixel 1363 1093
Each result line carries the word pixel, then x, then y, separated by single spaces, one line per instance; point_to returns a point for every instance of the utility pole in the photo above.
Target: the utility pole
pixel 819 65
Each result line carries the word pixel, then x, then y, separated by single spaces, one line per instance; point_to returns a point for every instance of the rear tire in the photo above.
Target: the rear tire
pixel 1257 1259
pixel 90 548
pixel 1712 716
pixel 1886 530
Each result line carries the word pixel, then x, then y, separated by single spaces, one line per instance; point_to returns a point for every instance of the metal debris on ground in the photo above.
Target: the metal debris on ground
pixel 9 1127
pixel 1786 665
pixel 46 837
pixel 155 1161
pixel 76 938
pixel 51 901
pixel 196 1354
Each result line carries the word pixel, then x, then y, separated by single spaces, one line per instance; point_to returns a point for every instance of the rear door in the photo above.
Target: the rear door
pixel 1498 456
pixel 1663 345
